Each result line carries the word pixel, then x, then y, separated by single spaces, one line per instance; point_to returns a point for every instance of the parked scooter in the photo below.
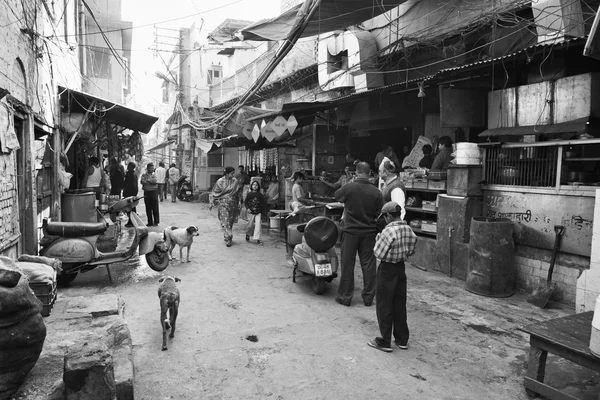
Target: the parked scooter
pixel 315 254
pixel 75 243
pixel 184 191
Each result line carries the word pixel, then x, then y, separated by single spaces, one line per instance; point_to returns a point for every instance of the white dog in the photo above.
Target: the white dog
pixel 184 237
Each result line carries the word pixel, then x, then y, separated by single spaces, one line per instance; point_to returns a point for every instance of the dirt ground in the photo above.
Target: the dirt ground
pixel 245 331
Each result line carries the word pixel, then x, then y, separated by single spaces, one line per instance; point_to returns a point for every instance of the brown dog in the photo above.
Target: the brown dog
pixel 169 301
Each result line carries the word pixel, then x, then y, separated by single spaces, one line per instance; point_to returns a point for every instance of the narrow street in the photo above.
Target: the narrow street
pixel 245 331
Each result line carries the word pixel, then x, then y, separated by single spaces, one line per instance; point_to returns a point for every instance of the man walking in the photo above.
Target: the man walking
pixel 150 188
pixel 393 246
pixel 173 180
pixel 362 202
pixel 161 174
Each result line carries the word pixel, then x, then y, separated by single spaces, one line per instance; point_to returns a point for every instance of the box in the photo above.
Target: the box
pixel 420 184
pixel 46 293
pixel 436 185
pixel 408 184
pixel 429 206
pixel 464 180
pixel 429 226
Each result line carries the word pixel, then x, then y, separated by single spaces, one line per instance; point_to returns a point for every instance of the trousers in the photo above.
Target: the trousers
pixel 364 246
pixel 391 302
pixel 254 226
pixel 151 202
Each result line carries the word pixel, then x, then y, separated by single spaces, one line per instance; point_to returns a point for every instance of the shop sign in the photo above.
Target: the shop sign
pixel 279 125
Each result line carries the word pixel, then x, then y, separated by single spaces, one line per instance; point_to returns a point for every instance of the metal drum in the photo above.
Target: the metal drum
pixel 79 207
pixel 492 270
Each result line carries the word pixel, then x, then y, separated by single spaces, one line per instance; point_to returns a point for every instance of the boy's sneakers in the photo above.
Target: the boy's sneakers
pixel 403 346
pixel 376 344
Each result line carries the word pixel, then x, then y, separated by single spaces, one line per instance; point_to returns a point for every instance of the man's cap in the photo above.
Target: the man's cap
pixel 391 207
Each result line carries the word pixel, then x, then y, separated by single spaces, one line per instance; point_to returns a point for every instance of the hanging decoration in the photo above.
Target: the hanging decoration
pixel 279 125
pixel 247 130
pixel 268 132
pixel 256 133
pixel 292 124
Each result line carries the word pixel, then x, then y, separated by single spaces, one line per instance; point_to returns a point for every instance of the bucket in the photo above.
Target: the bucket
pixel 274 222
pixel 595 336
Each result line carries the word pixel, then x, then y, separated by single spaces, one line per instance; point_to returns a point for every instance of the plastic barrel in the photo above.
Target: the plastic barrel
pixel 79 207
pixel 492 270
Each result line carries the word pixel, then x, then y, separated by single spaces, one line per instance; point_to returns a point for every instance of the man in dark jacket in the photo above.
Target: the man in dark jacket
pixel 362 204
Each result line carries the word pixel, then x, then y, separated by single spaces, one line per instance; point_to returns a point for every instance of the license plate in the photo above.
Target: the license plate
pixel 188 192
pixel 322 269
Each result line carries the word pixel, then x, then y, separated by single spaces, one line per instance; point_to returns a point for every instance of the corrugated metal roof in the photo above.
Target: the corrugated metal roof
pixel 471 65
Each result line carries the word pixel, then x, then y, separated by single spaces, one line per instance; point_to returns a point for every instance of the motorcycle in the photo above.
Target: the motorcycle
pixel 313 251
pixel 75 243
pixel 184 189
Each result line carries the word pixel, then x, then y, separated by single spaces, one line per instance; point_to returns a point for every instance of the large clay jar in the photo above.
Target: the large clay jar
pixel 22 329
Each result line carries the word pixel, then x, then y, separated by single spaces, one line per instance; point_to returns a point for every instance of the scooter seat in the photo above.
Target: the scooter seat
pixel 74 229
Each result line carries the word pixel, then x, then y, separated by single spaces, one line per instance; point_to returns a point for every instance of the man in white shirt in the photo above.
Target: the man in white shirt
pixel 161 174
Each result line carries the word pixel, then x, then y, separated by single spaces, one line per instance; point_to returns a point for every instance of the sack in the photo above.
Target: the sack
pixel 244 213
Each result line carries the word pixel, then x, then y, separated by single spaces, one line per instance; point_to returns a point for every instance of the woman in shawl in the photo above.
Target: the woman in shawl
pixel 226 194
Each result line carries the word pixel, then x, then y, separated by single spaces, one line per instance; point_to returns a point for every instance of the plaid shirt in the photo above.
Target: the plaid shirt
pixel 395 243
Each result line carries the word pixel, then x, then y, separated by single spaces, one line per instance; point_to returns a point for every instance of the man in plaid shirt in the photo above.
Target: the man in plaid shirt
pixel 392 247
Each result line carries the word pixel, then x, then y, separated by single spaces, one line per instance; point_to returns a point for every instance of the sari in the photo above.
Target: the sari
pixel 226 195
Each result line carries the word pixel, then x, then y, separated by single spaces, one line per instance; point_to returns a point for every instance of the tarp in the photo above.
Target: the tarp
pixel 574 126
pixel 331 15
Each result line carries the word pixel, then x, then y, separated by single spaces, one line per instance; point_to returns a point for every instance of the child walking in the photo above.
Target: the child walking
pixel 254 202
pixel 392 247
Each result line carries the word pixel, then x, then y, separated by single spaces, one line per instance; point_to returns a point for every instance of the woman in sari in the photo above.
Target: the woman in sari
pixel 226 194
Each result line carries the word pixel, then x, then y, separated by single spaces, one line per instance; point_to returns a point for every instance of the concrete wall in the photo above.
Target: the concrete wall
pixel 588 284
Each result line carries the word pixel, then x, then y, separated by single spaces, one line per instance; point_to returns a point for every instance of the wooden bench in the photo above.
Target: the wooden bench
pixel 567 337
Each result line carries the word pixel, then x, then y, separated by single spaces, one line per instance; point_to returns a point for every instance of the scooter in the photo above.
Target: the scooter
pixel 75 243
pixel 184 191
pixel 313 252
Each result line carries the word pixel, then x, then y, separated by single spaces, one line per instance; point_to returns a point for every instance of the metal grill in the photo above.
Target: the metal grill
pixel 521 166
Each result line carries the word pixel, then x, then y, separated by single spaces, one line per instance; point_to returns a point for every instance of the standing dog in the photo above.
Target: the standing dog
pixel 184 237
pixel 169 301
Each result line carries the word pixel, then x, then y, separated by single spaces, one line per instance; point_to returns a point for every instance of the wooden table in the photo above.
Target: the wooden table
pixel 566 337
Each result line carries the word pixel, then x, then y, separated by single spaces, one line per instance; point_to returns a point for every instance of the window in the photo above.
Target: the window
pixel 214 75
pixel 214 160
pixel 99 63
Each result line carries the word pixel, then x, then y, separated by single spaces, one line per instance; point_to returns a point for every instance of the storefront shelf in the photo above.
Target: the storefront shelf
pixel 419 209
pixel 417 230
pixel 425 190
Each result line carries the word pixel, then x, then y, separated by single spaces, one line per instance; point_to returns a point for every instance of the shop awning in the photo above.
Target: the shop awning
pixel 161 145
pixel 574 126
pixel 73 101
pixel 331 15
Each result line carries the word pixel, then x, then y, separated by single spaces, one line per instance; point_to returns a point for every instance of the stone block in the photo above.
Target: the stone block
pixel 528 262
pixel 124 372
pixel 592 280
pixel 590 300
pixel 88 372
pixel 580 300
pixel 96 306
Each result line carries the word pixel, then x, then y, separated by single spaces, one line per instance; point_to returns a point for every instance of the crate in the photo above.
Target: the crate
pixel 420 184
pixel 46 293
pixel 429 205
pixel 408 184
pixel 436 185
pixel 437 175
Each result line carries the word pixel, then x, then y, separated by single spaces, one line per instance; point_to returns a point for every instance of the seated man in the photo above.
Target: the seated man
pixel 427 159
pixel 299 199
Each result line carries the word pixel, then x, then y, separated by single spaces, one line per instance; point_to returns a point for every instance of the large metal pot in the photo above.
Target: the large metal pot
pixel 580 176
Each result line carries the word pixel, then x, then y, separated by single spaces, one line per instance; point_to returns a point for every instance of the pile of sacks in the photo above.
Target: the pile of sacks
pixel 22 328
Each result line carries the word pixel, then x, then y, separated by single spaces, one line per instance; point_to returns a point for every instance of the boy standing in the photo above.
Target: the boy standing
pixel 392 247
